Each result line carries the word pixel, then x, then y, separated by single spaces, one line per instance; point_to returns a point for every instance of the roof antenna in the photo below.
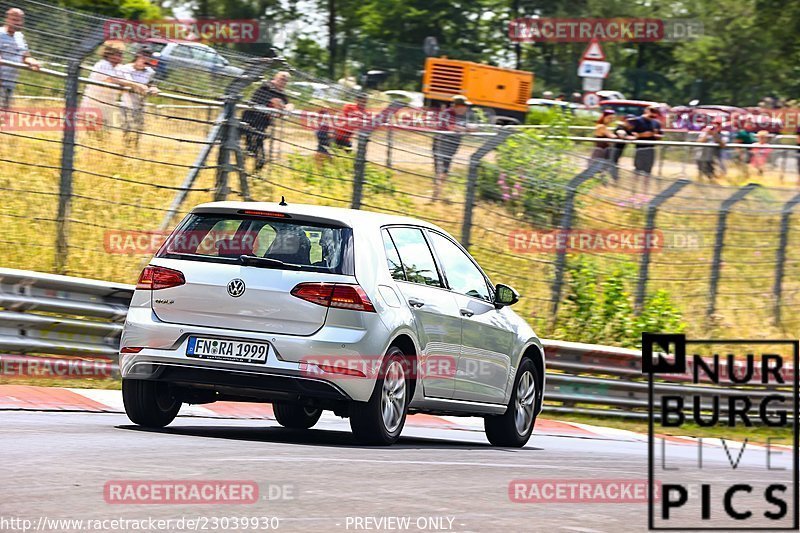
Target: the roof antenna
pixel 283 201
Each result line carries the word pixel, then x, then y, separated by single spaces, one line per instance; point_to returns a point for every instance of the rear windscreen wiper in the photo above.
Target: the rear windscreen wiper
pixel 256 261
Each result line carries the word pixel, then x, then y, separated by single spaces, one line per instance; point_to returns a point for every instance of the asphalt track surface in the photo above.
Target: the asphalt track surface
pixel 56 465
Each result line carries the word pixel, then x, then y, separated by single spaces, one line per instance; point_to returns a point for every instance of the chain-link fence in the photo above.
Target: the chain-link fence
pixel 584 242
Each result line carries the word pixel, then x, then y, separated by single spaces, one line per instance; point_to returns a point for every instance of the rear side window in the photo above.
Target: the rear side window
pixel 415 256
pixel 392 258
pixel 300 245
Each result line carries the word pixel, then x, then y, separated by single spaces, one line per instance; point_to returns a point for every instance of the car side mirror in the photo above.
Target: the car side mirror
pixel 505 295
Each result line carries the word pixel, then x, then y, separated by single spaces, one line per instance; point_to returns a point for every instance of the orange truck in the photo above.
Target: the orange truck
pixel 502 92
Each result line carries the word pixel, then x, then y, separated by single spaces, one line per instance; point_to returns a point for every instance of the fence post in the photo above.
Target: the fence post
pixel 720 241
pixel 472 181
pixel 359 166
pixel 780 263
pixel 68 150
pixel 594 167
pixel 229 144
pixel 389 141
pixel 650 225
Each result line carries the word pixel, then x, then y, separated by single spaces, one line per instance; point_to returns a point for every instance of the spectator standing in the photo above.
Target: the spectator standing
pixel 602 153
pixel 646 127
pixel 107 70
pixel 271 94
pixel 13 48
pixel 760 152
pixel 452 122
pixel 353 115
pixel 744 136
pixel 797 152
pixel 708 155
pixel 323 134
pixel 623 131
pixel 140 71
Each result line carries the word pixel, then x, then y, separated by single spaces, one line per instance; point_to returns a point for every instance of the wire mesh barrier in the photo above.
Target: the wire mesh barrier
pixel 598 251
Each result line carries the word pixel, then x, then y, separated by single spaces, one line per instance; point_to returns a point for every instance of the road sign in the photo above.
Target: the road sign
pixel 592 84
pixel 591 100
pixel 594 52
pixel 594 69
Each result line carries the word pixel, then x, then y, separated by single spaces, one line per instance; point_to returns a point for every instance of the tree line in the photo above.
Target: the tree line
pixel 748 49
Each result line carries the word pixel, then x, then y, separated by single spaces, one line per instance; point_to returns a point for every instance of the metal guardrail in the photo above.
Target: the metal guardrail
pixel 59 315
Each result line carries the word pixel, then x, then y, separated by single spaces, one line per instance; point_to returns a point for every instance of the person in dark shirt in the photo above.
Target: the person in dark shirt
pixel 622 131
pixel 270 94
pixel 646 127
pixel 452 121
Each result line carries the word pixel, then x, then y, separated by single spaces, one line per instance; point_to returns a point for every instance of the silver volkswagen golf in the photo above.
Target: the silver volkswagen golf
pixel 317 308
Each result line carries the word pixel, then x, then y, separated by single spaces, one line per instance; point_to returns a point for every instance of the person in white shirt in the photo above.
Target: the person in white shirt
pixel 141 72
pixel 107 70
pixel 13 48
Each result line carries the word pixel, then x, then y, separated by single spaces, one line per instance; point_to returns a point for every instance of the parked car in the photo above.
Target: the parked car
pixel 610 95
pixel 544 104
pixel 317 308
pixel 189 55
pixel 410 98
pixel 634 107
pixel 306 91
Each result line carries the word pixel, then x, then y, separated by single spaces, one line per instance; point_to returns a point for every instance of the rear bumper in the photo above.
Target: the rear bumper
pixel 240 384
pixel 164 359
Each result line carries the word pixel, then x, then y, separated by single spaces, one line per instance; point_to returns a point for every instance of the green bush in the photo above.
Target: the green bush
pixel 531 174
pixel 599 309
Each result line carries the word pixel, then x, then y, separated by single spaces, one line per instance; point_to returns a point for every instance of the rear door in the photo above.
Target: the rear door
pixel 487 337
pixel 222 291
pixel 438 323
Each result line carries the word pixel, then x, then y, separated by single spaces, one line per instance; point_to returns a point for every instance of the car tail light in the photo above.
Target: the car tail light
pixel 340 295
pixel 131 349
pixel 156 277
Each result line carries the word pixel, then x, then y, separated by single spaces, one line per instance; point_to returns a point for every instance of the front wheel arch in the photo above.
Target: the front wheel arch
pixel 536 354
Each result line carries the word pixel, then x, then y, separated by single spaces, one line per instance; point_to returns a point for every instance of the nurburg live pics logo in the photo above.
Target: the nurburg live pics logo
pixel 744 483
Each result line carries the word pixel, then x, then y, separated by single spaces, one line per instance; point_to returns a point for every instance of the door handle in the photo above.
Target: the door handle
pixel 466 312
pixel 415 302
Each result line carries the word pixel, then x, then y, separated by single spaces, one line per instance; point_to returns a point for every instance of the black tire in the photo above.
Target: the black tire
pixel 149 403
pixel 295 416
pixel 367 420
pixel 502 430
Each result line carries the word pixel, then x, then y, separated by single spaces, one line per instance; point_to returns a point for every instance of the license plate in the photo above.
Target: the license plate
pixel 228 350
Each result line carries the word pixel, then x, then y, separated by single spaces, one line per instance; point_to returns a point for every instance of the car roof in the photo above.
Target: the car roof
pixel 642 103
pixel 547 101
pixel 350 217
pixel 194 44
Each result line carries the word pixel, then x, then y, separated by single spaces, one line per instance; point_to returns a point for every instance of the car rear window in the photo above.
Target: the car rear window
pixel 302 245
